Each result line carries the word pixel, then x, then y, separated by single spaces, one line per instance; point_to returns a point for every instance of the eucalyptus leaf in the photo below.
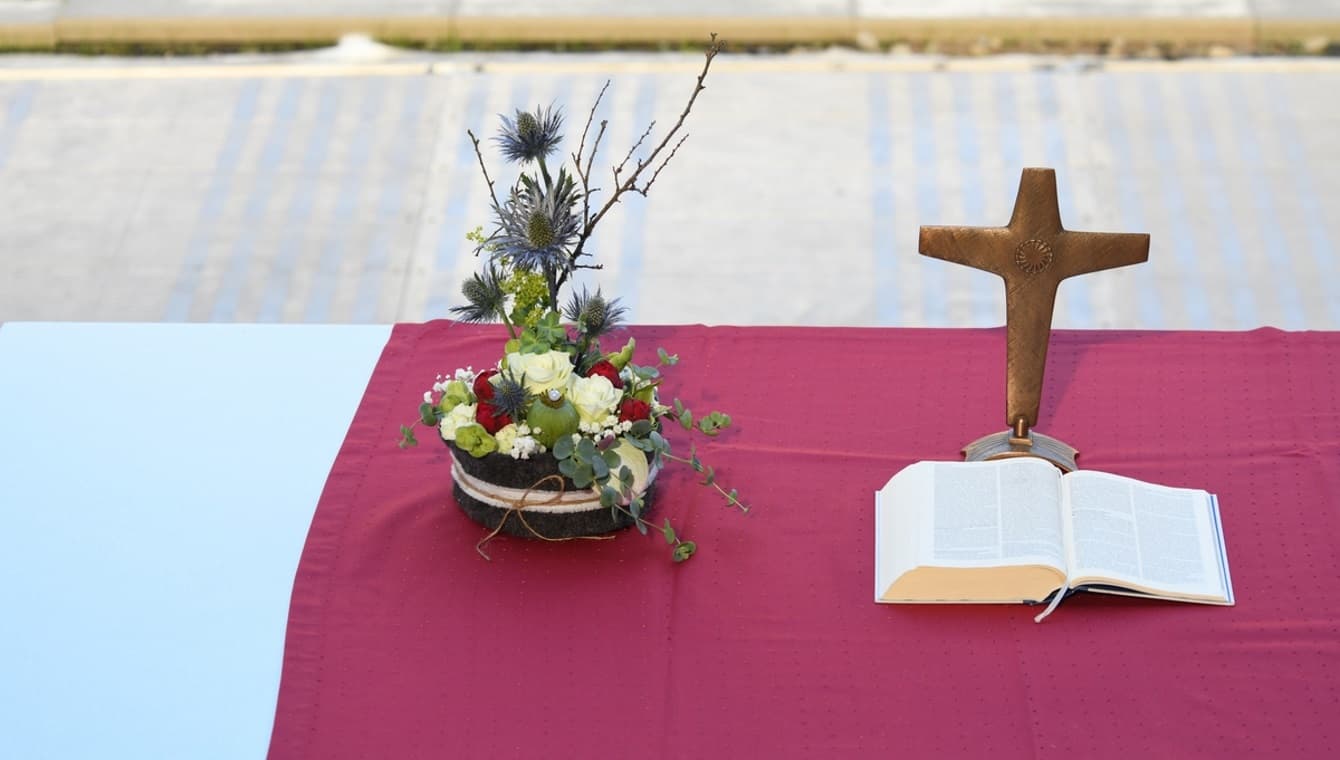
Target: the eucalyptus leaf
pixel 407 437
pixel 563 447
pixel 608 497
pixel 714 423
pixel 611 458
pixel 685 550
pixel 635 506
pixel 732 498
pixel 658 442
pixel 640 429
pixel 599 468
pixel 583 477
pixel 686 419
pixel 586 449
pixel 428 414
pixel 668 532
pixel 567 467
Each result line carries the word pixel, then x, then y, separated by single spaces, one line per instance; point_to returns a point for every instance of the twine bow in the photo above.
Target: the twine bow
pixel 517 506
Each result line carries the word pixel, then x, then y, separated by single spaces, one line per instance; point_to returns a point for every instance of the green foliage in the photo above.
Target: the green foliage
pixel 547 334
pixel 530 295
pixel 407 438
pixel 563 447
pixel 429 414
pixel 714 423
pixel 684 550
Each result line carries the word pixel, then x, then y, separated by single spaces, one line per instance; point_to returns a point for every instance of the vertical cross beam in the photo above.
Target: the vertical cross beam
pixel 1032 254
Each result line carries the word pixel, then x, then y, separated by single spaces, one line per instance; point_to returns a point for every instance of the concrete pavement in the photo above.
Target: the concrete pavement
pixel 338 186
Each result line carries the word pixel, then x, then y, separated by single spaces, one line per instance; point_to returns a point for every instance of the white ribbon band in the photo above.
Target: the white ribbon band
pixel 553 502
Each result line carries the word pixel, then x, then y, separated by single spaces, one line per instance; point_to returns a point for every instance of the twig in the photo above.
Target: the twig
pixel 493 195
pixel 618 169
pixel 643 190
pixel 581 146
pixel 623 185
pixel 585 174
pixel 733 501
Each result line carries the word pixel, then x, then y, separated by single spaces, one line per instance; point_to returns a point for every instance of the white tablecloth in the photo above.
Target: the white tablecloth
pixel 156 486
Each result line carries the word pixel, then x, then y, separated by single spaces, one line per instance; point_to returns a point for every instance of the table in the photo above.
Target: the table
pixel 156 486
pixel 401 641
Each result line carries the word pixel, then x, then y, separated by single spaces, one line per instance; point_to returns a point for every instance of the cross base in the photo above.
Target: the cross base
pixel 1010 444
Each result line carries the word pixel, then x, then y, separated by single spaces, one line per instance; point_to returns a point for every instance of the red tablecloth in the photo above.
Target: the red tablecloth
pixel 404 643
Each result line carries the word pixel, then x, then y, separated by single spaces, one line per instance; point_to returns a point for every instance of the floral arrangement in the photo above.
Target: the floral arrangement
pixel 557 396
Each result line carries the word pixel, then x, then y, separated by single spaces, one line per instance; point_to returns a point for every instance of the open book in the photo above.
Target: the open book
pixel 1017 530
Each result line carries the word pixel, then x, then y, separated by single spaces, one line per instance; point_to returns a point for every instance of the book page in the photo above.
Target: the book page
pixel 977 531
pixel 986 514
pixel 1151 538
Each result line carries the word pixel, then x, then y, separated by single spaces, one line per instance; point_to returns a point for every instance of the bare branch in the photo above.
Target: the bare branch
pixel 623 185
pixel 595 146
pixel 643 190
pixel 483 168
pixel 585 174
pixel 590 117
pixel 624 162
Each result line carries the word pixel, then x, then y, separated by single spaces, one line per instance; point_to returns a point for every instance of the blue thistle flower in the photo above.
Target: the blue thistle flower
pixel 532 136
pixel 485 296
pixel 537 227
pixel 594 315
pixel 510 396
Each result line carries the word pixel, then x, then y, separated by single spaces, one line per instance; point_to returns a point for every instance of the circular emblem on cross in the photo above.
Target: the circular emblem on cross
pixel 1033 256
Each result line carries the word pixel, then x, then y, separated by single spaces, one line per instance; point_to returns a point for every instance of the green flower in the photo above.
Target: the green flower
pixel 456 394
pixel 475 440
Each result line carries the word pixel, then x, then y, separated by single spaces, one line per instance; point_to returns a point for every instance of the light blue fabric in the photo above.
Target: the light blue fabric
pixel 156 487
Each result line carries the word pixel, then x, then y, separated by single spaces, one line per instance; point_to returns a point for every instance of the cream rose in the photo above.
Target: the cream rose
pixel 542 371
pixel 594 397
pixel 636 462
pixel 459 416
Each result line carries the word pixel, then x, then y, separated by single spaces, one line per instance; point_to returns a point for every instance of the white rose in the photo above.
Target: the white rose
pixel 505 438
pixel 542 371
pixel 594 398
pixel 459 416
pixel 636 461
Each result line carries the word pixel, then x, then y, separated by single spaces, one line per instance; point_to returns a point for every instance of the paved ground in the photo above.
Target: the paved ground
pixel 338 187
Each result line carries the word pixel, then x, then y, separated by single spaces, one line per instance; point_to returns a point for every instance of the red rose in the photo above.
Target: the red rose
pixel 607 371
pixel 483 388
pixel 488 416
pixel 632 410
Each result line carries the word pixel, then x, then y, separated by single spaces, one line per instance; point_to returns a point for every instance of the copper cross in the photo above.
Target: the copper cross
pixel 1033 253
